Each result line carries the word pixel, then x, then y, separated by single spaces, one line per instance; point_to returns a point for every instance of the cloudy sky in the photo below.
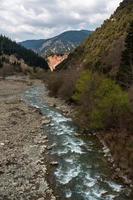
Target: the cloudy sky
pixel 35 19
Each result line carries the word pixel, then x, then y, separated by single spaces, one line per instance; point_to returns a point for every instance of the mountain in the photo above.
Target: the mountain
pixel 61 44
pixel 9 48
pixel 33 44
pixel 103 49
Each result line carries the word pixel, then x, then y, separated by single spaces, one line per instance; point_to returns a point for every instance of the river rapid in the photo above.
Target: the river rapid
pixel 83 172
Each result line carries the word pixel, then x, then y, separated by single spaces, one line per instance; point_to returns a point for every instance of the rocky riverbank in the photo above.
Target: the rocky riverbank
pixel 23 146
pixel 59 104
pixel 119 152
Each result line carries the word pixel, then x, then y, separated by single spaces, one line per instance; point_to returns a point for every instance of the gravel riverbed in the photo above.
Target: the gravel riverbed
pixel 23 146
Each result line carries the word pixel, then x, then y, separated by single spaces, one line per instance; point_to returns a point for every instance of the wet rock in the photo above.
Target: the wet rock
pixel 46 122
pixel 106 151
pixel 54 105
pixel 104 193
pixel 45 137
pixel 127 180
pixel 37 110
pixel 50 147
pixel 41 140
pixel 77 134
pixel 54 163
pixel 58 107
pixel 43 118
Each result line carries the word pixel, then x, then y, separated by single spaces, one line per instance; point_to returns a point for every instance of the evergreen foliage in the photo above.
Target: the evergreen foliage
pixel 9 47
pixel 125 74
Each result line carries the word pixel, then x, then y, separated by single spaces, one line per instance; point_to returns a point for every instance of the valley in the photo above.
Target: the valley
pixel 66 101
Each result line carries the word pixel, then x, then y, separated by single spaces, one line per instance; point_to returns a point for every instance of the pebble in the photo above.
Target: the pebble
pixel 41 198
pixel 33 131
pixel 43 148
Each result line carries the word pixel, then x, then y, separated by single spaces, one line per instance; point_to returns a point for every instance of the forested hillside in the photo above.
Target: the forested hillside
pixel 102 51
pixel 8 47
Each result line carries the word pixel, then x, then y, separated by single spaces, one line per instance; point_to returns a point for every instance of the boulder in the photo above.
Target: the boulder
pixel 51 146
pixel 54 163
pixel 46 122
pixel 77 134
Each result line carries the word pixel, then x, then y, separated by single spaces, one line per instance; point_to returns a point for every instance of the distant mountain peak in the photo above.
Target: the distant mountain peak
pixel 63 43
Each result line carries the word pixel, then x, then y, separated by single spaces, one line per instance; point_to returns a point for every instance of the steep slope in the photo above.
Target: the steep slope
pixel 102 51
pixel 61 44
pixel 55 60
pixel 8 47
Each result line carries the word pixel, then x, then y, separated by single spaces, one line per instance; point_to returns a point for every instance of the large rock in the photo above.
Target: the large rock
pixel 46 122
pixel 51 146
pixel 54 163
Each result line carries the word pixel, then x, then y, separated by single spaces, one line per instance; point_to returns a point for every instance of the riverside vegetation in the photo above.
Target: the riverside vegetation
pixel 98 79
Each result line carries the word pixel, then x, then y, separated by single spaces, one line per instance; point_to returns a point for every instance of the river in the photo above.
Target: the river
pixel 83 172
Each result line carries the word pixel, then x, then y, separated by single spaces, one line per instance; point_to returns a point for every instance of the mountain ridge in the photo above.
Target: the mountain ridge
pixel 63 43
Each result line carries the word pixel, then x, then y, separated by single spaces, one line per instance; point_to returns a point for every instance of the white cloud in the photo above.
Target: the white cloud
pixel 28 19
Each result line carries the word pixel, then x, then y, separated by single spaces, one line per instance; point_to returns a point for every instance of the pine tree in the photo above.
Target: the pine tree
pixel 32 59
pixel 125 74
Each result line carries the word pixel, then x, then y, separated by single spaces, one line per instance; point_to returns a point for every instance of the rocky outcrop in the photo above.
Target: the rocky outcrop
pixel 55 60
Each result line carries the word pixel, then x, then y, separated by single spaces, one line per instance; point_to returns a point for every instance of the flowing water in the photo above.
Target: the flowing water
pixel 83 172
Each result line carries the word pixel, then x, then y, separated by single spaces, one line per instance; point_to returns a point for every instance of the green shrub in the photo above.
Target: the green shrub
pixel 101 102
